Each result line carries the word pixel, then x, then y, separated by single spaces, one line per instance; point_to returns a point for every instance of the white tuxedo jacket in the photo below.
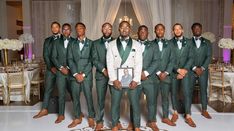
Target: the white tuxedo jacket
pixel 134 61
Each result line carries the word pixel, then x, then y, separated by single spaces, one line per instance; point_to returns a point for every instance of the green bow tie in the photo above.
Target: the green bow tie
pixel 122 39
pixel 82 41
pixel 106 40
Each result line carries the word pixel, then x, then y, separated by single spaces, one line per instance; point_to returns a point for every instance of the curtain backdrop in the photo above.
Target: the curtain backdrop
pixel 99 11
pixel 152 12
pixel 149 12
pixel 45 12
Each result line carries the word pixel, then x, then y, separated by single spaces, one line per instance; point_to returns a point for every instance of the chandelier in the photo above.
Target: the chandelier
pixel 125 17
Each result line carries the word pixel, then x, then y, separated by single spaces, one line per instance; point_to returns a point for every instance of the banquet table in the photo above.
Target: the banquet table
pixel 28 76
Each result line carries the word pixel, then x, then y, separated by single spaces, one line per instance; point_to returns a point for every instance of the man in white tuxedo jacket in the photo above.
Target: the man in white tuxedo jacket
pixel 124 52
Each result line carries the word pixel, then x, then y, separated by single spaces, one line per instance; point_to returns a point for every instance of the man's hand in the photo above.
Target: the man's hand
pixel 53 70
pixel 163 76
pixel 105 72
pixel 199 71
pixel 182 72
pixel 143 77
pixel 179 77
pixel 64 70
pixel 117 84
pixel 79 77
pixel 133 85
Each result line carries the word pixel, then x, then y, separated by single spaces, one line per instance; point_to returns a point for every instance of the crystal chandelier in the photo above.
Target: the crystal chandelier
pixel 125 17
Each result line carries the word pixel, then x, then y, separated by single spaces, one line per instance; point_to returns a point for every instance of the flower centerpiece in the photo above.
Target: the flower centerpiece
pixel 12 44
pixel 26 38
pixel 209 36
pixel 226 43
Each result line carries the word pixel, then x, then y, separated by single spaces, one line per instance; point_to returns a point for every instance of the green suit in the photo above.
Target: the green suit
pixel 150 63
pixel 167 61
pixel 80 61
pixel 99 61
pixel 50 78
pixel 203 57
pixel 184 59
pixel 59 58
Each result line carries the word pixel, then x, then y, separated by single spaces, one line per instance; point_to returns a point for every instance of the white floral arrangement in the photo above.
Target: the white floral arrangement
pixel 26 38
pixel 226 43
pixel 209 36
pixel 12 44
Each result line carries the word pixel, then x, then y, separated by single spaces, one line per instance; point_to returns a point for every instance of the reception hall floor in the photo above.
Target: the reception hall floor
pixel 19 118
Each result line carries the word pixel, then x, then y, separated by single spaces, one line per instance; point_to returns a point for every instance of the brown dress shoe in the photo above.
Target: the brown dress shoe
pixel 168 122
pixel 91 122
pixel 174 117
pixel 130 126
pixel 206 115
pixel 137 129
pixel 42 113
pixel 75 122
pixel 59 119
pixel 119 126
pixel 153 126
pixel 99 127
pixel 115 128
pixel 190 122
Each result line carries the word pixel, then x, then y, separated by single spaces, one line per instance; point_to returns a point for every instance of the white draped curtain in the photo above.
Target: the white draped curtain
pixel 149 12
pixel 152 12
pixel 97 13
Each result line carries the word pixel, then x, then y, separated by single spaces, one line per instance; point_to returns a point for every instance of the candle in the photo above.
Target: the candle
pixel 21 57
pixel 33 56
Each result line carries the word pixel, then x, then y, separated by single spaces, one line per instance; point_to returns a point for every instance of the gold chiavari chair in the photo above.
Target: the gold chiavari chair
pixel 38 79
pixel 16 82
pixel 217 81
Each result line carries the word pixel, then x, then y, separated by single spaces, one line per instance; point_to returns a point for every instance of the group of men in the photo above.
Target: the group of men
pixel 169 66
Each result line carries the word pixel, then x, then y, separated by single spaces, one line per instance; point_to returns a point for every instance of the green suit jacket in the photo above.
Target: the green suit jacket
pixel 202 54
pixel 59 53
pixel 166 58
pixel 99 57
pixel 183 57
pixel 150 59
pixel 47 51
pixel 80 61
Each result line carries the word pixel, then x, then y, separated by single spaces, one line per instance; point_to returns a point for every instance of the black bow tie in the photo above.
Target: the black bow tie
pixel 179 40
pixel 143 42
pixel 197 38
pixel 56 37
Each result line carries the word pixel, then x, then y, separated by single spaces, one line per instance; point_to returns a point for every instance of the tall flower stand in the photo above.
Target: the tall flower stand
pixel 5 57
pixel 28 51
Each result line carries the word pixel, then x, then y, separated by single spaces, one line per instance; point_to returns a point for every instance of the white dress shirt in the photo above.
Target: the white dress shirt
pixel 66 43
pixel 81 45
pixel 160 44
pixel 197 41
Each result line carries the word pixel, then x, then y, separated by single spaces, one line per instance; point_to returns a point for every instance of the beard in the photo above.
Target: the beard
pixel 178 35
pixel 106 36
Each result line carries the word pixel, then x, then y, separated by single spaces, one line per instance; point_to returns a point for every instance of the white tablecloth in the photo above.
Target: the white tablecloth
pixel 28 74
pixel 228 76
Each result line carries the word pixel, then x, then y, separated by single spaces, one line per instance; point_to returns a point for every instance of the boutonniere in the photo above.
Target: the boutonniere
pixel 133 50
